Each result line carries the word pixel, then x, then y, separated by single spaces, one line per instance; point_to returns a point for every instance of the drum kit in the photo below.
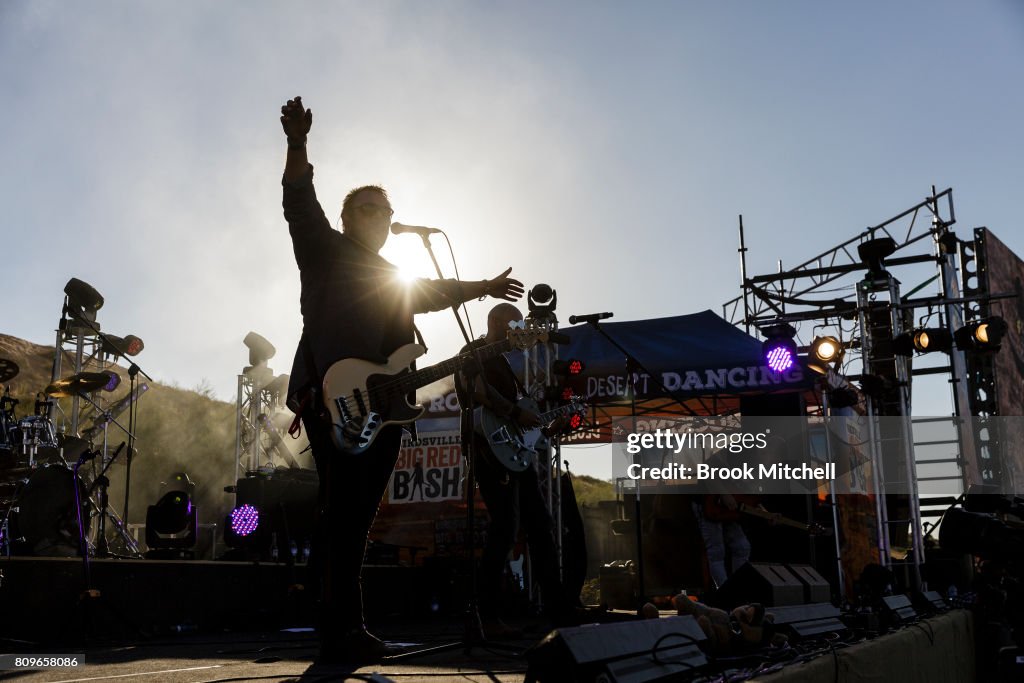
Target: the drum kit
pixel 46 502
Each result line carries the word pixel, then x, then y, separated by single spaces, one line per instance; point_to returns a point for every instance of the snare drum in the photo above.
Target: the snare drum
pixel 40 518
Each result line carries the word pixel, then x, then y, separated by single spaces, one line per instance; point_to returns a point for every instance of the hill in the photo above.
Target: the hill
pixel 177 430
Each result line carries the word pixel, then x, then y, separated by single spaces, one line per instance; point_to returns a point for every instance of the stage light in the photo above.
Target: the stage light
pixel 567 374
pixel 873 254
pixel 278 385
pixel 113 382
pixel 245 519
pixel 922 340
pixel 172 523
pixel 129 345
pixel 260 350
pixel 779 348
pixel 542 300
pixel 825 351
pixel 568 367
pixel 981 336
pixel 83 299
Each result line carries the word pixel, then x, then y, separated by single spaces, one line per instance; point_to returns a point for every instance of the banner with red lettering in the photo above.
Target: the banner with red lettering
pixel 429 469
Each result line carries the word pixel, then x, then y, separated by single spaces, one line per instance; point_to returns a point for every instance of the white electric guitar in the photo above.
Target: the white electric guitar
pixel 363 397
pixel 513 446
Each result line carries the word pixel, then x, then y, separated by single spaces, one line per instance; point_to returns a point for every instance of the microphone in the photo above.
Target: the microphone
pixel 398 229
pixel 592 318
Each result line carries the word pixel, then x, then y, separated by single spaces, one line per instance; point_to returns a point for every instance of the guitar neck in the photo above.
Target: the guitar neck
pixel 557 412
pixel 421 378
pixel 779 519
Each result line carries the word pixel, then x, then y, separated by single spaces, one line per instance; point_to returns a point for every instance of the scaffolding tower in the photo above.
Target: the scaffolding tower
pixel 881 312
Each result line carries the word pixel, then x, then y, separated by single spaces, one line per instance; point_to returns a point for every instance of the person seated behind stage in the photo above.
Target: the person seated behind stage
pixel 511 497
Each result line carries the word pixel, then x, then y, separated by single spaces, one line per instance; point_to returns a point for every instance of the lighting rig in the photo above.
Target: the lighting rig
pixel 93 352
pixel 876 323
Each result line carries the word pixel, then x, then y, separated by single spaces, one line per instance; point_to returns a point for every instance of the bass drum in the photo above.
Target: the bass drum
pixel 41 519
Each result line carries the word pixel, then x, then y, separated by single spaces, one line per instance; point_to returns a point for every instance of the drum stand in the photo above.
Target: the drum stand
pixel 98 486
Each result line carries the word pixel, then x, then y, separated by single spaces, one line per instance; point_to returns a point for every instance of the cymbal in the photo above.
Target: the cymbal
pixel 82 383
pixel 8 369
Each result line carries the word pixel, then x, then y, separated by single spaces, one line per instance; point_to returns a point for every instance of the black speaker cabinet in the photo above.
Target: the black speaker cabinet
pixel 768 584
pixel 629 651
pixel 816 588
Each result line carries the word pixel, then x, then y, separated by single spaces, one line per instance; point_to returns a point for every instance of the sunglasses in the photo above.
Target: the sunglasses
pixel 374 210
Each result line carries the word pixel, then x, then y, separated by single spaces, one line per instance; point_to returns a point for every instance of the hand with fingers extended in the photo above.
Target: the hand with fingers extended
pixel 296 120
pixel 504 287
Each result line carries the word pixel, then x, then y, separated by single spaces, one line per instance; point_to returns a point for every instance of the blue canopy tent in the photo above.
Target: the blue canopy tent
pixel 699 365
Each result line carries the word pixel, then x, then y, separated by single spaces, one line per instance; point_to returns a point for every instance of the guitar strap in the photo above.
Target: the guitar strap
pixel 309 396
pixel 411 427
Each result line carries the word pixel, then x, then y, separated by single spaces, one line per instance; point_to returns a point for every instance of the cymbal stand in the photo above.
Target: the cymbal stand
pixel 99 485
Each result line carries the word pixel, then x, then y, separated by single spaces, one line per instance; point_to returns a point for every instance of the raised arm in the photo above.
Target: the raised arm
pixel 296 121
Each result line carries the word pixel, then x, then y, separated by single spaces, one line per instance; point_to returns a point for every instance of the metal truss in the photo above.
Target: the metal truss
pixel 830 291
pixel 538 376
pixel 258 444
pixel 84 347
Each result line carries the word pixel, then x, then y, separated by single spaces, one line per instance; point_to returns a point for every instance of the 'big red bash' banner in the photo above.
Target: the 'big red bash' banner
pixel 428 470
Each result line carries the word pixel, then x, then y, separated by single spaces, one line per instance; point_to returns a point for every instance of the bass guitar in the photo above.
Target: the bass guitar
pixel 512 445
pixel 363 397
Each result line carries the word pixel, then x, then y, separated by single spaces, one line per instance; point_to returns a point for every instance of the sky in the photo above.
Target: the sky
pixel 604 148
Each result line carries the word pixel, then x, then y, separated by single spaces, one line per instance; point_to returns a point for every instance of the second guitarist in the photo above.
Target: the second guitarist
pixel 512 498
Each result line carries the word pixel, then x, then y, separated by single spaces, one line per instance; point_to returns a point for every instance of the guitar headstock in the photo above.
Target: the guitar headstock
pixel 577 404
pixel 526 337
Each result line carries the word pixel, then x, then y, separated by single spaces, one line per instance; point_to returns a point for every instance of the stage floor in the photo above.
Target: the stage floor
pixel 278 656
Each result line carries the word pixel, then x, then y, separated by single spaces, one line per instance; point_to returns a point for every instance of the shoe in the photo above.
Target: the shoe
pixel 496 629
pixel 355 648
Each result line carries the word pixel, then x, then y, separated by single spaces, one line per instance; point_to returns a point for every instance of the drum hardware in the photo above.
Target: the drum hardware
pixel 100 499
pixel 32 433
pixel 7 419
pixel 100 483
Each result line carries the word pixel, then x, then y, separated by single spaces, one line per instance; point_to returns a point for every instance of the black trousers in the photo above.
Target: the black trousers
pixel 351 489
pixel 514 498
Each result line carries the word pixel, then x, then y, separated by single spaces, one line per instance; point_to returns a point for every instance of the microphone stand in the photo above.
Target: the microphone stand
pixel 472 635
pixel 437 268
pixel 632 364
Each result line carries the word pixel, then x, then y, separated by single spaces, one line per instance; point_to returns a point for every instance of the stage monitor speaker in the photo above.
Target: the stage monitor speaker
pixel 624 652
pixel 897 610
pixel 768 584
pixel 808 621
pixel 928 602
pixel 816 588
